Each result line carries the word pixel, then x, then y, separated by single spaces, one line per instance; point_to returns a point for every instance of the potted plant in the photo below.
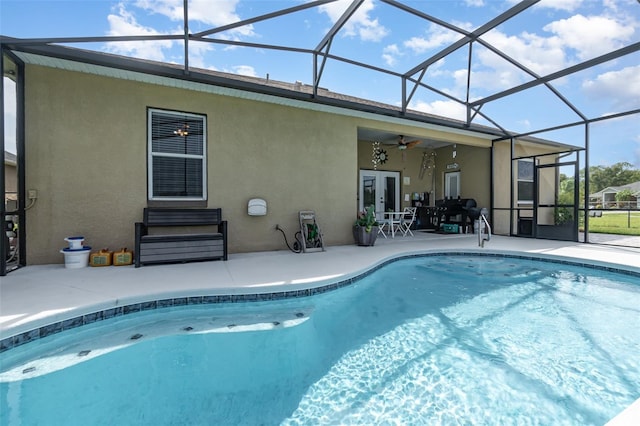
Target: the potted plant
pixel 365 230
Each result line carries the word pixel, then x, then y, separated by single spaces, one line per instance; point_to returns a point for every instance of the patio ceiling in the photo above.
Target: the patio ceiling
pixel 327 63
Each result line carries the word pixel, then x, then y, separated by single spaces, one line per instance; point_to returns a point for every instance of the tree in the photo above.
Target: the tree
pixel 624 195
pixel 618 174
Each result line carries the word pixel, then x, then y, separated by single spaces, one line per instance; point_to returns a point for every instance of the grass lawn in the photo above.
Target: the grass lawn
pixel 616 223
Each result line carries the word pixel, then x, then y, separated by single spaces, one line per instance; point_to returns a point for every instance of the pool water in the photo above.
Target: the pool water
pixel 423 340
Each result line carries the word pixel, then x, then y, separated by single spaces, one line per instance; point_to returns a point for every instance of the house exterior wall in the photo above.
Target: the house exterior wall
pixel 86 151
pixel 86 155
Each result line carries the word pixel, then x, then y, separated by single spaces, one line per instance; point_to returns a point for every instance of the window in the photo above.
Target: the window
pixel 177 155
pixel 525 181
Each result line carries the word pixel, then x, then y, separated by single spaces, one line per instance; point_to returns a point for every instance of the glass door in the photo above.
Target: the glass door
pixel 380 189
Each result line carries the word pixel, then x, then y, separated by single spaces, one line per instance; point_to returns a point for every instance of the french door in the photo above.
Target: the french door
pixel 379 189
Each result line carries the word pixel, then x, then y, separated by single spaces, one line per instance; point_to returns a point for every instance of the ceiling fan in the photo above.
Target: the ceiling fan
pixel 403 144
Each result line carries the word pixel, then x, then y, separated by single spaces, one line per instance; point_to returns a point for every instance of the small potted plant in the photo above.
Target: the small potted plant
pixel 365 230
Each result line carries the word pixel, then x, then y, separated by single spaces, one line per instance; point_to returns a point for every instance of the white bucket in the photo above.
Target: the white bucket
pixel 76 259
pixel 75 243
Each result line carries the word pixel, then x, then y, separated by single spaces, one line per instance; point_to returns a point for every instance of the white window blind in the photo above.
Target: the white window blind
pixel 177 155
pixel 526 187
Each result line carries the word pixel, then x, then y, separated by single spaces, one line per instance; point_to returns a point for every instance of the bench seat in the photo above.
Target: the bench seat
pixel 170 248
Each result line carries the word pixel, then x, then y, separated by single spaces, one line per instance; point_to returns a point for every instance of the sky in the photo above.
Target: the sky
pixel 546 38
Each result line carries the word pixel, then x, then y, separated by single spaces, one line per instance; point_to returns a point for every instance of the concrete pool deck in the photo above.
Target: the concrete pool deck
pixel 35 296
pixel 38 295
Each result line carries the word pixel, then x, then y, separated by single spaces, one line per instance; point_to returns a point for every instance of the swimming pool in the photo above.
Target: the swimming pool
pixel 423 340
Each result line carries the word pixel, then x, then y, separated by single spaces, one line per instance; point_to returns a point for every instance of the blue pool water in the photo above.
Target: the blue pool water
pixel 424 340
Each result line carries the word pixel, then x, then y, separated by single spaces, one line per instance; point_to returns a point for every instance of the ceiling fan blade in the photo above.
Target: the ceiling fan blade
pixel 402 144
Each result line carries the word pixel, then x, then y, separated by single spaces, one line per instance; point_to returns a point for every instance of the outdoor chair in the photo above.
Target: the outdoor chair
pixel 383 223
pixel 406 221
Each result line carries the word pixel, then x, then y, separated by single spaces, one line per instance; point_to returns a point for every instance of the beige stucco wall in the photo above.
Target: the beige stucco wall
pixel 86 155
pixel 86 144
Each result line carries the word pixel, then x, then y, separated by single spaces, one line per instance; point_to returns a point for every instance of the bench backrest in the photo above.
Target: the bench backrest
pixel 156 216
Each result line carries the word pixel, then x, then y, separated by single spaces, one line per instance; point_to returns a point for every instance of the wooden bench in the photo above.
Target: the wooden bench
pixel 180 247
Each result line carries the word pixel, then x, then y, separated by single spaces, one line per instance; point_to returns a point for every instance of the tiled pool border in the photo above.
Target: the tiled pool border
pixel 78 321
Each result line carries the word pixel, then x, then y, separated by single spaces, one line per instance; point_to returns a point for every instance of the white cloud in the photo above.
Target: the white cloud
pixel 566 5
pixel 436 37
pixel 524 124
pixel 590 36
pixel 124 23
pixel 390 54
pixel 474 3
pixel 622 87
pixel 169 8
pixel 567 41
pixel 197 51
pixel 222 12
pixel 360 24
pixel 436 69
pixel 247 70
pixel 493 73
pixel 448 109
pixel 539 54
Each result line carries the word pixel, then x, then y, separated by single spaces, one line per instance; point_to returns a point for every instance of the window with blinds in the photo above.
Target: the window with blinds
pixel 177 155
pixel 526 186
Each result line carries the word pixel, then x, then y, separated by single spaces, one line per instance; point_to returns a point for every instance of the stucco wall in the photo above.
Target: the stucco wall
pixel 86 144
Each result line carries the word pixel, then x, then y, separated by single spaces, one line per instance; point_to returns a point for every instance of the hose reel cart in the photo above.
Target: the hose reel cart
pixel 310 231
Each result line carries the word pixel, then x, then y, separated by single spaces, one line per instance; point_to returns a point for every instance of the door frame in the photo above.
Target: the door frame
pixel 379 176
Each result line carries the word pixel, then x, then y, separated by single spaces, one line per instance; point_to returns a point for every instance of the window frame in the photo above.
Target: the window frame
pixel 151 196
pixel 531 180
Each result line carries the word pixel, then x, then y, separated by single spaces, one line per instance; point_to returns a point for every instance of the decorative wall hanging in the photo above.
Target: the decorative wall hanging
pixel 379 156
pixel 428 163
